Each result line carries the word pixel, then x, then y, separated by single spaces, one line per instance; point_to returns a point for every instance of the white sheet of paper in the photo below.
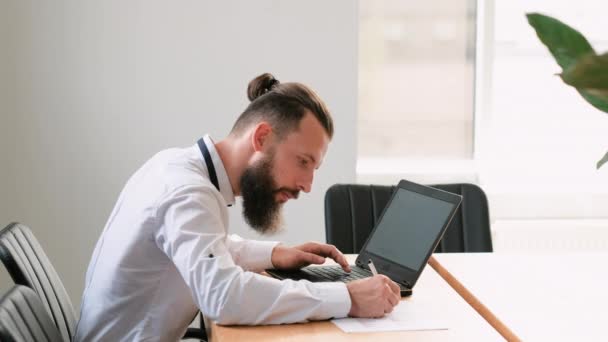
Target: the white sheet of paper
pixel 405 316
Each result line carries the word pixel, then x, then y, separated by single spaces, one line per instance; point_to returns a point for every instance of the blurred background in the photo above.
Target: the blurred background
pixel 433 91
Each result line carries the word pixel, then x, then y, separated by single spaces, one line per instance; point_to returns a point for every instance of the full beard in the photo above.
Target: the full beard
pixel 258 189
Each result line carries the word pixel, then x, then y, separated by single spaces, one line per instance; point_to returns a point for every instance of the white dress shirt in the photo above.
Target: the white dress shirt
pixel 165 253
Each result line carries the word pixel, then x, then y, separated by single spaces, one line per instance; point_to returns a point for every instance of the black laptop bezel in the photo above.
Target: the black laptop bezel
pixel 399 273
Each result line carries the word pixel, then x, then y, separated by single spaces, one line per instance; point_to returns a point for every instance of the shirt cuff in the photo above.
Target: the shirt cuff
pixel 336 299
pixel 259 254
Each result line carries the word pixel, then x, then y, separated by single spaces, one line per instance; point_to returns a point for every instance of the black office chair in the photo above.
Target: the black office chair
pixel 351 212
pixel 197 333
pixel 23 318
pixel 28 265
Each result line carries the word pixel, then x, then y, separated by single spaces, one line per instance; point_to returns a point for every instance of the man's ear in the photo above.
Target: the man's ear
pixel 261 136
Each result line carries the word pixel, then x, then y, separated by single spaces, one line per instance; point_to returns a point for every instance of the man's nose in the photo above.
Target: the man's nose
pixel 306 183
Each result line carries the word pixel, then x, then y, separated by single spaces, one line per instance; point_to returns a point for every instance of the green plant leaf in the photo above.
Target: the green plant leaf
pixel 590 72
pixel 566 44
pixel 602 161
pixel 597 101
pixel 590 77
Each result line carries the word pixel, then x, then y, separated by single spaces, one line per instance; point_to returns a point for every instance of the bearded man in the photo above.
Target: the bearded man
pixel 165 253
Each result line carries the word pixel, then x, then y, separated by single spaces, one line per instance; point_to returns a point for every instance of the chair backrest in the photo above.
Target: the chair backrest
pixel 28 265
pixel 351 212
pixel 23 318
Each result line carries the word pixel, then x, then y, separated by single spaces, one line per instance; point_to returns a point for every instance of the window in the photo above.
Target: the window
pixel 463 91
pixel 543 139
pixel 416 83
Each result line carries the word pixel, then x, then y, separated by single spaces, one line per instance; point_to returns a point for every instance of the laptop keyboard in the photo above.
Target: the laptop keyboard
pixel 332 273
pixel 323 273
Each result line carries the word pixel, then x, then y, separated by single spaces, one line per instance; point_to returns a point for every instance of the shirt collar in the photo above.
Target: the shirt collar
pixel 222 175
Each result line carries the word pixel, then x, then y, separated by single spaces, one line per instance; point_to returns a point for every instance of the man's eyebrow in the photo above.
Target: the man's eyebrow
pixel 314 161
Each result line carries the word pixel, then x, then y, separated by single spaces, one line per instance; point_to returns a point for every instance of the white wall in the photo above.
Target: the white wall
pixel 101 86
pixel 6 133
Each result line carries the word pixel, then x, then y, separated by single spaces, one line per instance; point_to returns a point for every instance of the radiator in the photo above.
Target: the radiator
pixel 530 236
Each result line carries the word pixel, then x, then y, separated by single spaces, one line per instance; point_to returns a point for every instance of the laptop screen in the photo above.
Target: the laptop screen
pixel 409 228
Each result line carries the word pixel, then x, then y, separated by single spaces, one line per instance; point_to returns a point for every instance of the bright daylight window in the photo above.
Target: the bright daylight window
pixel 543 139
pixel 533 144
pixel 416 82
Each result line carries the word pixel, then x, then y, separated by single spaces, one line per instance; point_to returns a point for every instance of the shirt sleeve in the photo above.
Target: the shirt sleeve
pixel 251 255
pixel 192 234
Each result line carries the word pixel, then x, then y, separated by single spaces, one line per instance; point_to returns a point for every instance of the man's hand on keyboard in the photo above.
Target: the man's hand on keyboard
pixel 284 257
pixel 373 297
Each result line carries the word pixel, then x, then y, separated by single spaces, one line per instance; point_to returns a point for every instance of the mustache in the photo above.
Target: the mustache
pixel 293 192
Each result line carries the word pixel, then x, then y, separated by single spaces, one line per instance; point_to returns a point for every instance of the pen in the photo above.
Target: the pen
pixel 370 263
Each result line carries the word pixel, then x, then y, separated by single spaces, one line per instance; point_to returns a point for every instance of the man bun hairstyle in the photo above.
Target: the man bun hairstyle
pixel 261 85
pixel 283 105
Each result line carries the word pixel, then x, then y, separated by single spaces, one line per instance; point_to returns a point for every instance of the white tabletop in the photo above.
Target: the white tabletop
pixel 464 323
pixel 557 297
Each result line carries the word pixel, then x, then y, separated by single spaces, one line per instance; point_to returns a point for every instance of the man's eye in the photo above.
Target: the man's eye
pixel 303 162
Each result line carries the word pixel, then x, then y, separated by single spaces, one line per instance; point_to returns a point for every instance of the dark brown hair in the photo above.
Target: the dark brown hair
pixel 283 105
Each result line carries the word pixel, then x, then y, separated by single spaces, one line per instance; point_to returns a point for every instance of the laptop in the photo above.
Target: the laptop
pixel 408 231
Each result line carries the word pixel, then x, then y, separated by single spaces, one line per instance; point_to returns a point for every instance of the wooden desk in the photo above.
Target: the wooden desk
pixel 465 323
